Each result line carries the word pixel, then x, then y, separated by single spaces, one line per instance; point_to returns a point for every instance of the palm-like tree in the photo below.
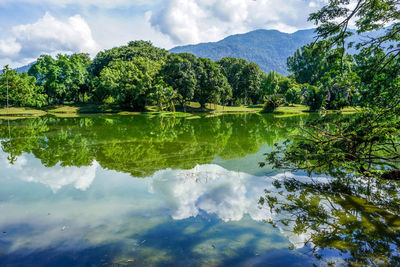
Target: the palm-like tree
pixel 6 70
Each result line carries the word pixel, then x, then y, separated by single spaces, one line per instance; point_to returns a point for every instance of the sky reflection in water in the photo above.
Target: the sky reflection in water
pixel 203 213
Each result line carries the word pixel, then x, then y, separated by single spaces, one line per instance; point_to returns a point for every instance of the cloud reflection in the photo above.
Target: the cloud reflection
pixel 55 177
pixel 119 207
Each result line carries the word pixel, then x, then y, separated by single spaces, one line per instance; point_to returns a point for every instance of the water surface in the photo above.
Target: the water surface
pixel 158 191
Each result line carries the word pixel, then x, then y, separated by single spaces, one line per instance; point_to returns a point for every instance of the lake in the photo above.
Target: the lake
pixel 112 190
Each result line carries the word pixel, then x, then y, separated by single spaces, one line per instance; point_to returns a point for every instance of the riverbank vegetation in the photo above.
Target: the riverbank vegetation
pixel 368 144
pixel 356 209
pixel 138 75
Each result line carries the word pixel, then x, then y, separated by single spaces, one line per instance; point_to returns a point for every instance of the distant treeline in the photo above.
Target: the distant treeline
pixel 139 74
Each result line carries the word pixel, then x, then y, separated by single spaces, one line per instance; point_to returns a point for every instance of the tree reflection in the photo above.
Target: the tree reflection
pixel 142 145
pixel 346 215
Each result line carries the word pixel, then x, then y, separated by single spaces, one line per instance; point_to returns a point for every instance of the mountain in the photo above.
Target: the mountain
pixel 268 48
pixel 23 68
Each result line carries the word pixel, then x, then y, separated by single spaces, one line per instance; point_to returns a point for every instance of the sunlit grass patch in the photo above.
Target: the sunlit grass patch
pixel 19 111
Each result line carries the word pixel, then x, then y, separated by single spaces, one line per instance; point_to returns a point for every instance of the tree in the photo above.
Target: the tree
pixel 134 49
pixel 314 97
pixel 211 83
pixel 232 69
pixel 164 96
pixel 47 73
pixel 180 74
pixel 6 70
pixel 20 90
pixel 270 84
pixel 65 78
pixel 293 95
pixel 365 145
pixel 129 82
pixel 339 90
pixel 250 82
pixel 313 61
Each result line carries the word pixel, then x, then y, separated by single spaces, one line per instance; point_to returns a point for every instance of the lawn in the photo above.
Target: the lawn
pixel 68 110
pixel 24 112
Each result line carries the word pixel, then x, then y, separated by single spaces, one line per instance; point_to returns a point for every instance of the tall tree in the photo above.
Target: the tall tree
pixel 270 84
pixel 212 85
pixel 20 90
pixel 310 63
pixel 128 52
pixel 47 73
pixel 250 82
pixel 232 69
pixel 181 75
pixel 367 144
pixel 5 71
pixel 129 82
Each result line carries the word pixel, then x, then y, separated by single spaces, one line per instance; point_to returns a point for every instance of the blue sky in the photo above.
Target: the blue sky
pixel 29 28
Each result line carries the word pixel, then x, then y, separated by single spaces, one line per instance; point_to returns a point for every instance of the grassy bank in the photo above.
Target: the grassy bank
pixel 301 109
pixel 75 110
pixel 23 112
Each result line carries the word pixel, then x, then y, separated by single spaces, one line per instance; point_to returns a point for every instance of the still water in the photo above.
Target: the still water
pixel 110 190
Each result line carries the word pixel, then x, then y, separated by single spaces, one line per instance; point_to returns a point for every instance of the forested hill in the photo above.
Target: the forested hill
pixel 22 69
pixel 268 48
pixel 25 68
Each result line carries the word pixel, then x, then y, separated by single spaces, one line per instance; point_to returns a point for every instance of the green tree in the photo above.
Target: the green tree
pixel 212 84
pixel 232 69
pixel 134 49
pixel 180 74
pixel 164 96
pixel 129 82
pixel 313 61
pixel 270 84
pixel 20 90
pixel 65 78
pixel 47 74
pixel 6 71
pixel 293 95
pixel 250 83
pixel 367 144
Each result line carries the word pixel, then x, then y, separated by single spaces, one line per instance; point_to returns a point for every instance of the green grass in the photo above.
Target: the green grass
pixel 20 111
pixel 294 109
pixel 82 109
pixel 75 110
pixel 301 109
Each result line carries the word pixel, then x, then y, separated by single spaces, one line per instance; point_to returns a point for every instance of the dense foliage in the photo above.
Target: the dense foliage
pixel 350 203
pixel 324 76
pixel 138 75
pixel 367 144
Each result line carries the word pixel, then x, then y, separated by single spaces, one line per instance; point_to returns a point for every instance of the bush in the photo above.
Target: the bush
pixel 272 103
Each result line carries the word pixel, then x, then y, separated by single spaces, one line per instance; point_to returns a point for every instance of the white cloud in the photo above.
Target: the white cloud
pixel 193 21
pixel 9 47
pixel 85 3
pixel 182 194
pixel 49 35
pixel 54 178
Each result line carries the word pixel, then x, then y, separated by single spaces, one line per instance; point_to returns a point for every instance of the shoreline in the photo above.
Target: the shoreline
pixel 89 109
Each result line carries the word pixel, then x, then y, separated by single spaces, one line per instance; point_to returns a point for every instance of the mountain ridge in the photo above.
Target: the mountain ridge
pixel 268 48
